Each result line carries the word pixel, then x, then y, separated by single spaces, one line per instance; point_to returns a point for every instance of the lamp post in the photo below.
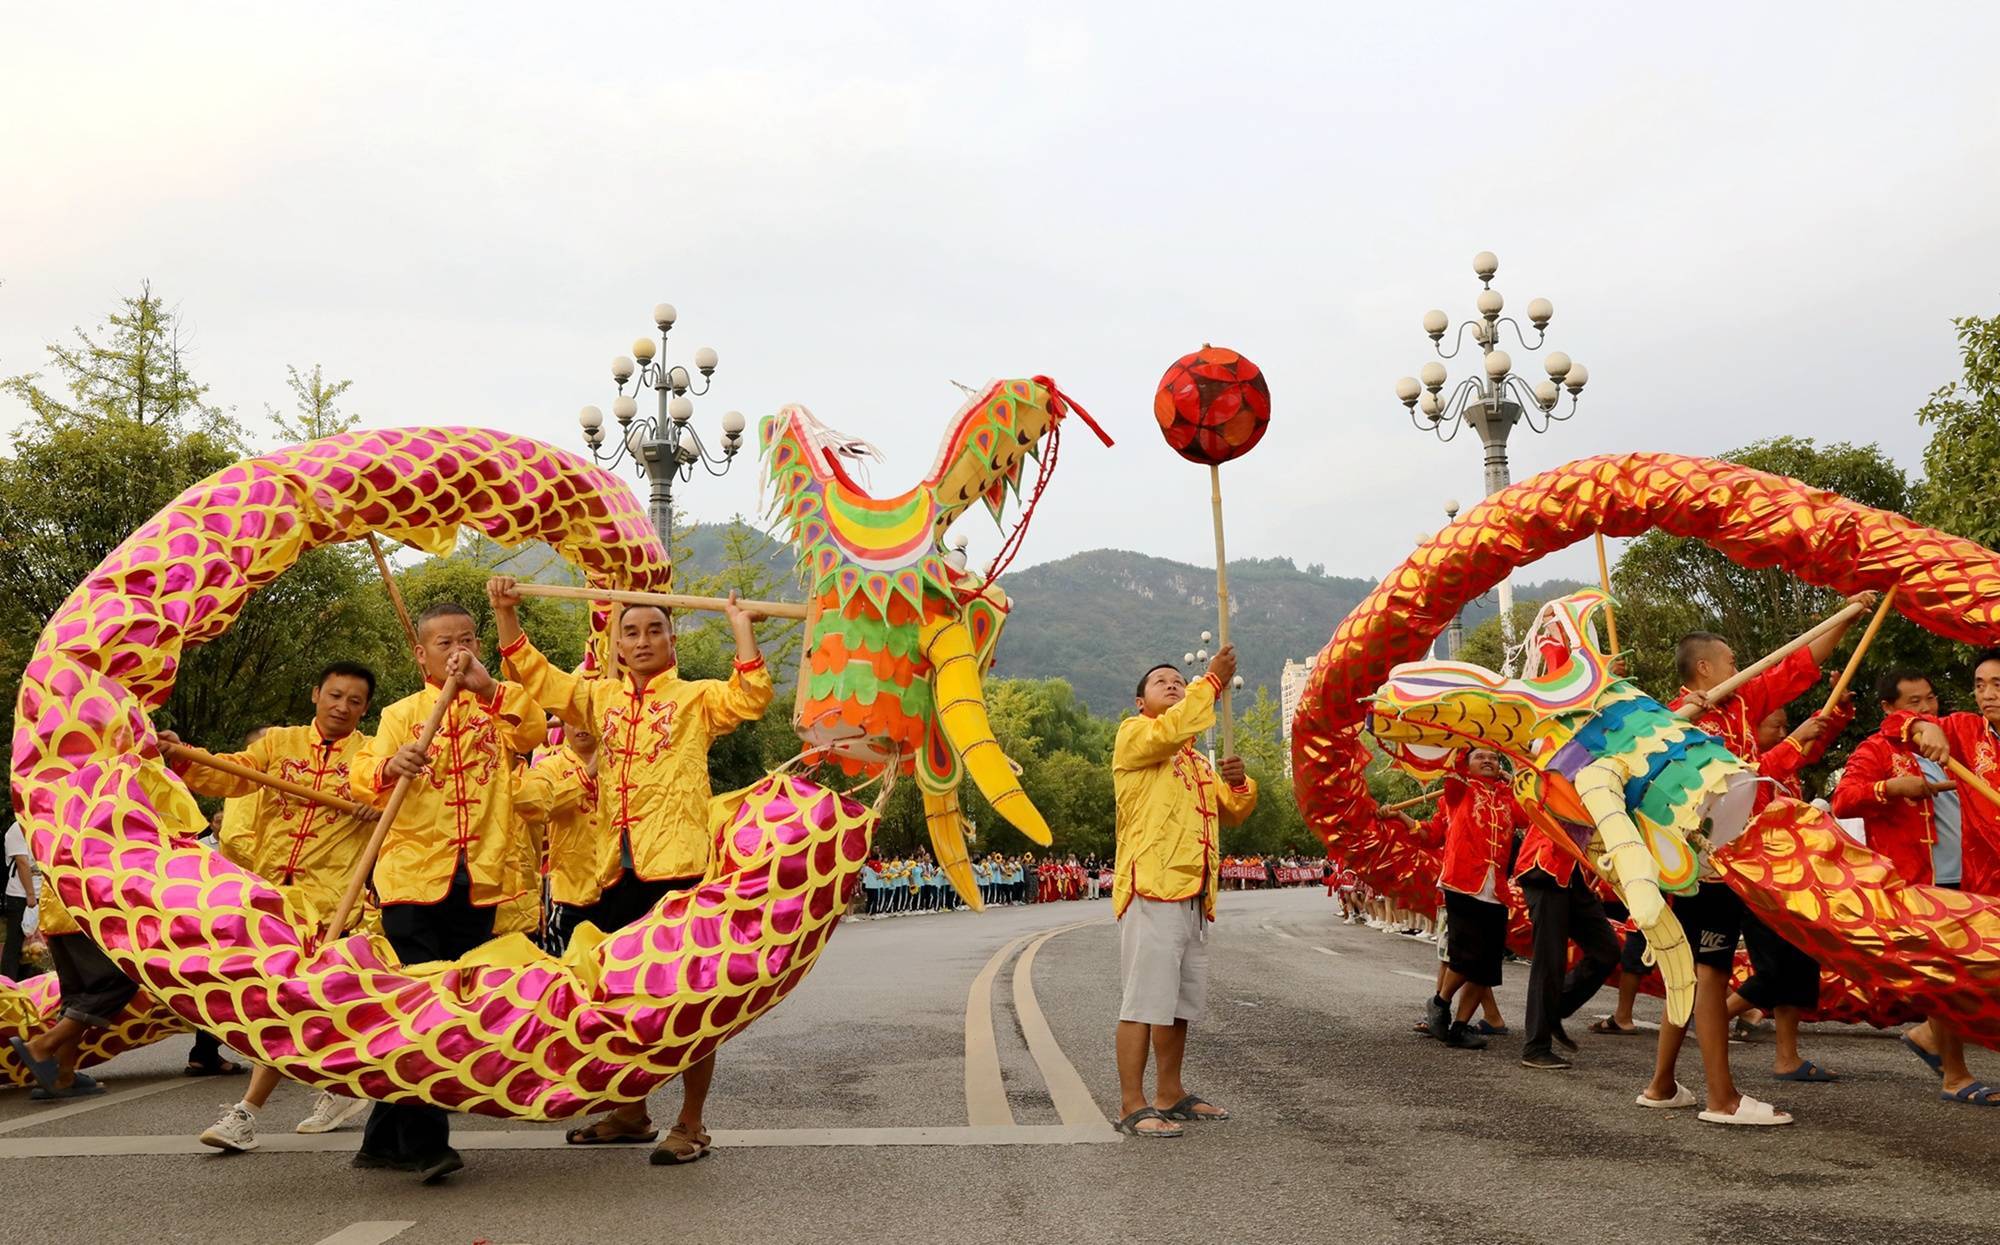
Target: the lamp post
pixel 664 445
pixel 1493 399
pixel 1199 660
pixel 1454 636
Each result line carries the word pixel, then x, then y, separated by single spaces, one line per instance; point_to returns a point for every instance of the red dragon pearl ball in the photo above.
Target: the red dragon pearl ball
pixel 1213 405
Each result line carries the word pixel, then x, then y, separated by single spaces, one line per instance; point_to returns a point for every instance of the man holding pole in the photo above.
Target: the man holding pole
pixel 447 855
pixel 1713 917
pixel 653 730
pixel 1171 804
pixel 305 848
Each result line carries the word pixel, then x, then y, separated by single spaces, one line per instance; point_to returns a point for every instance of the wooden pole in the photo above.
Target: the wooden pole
pixel 201 756
pixel 1412 802
pixel 395 594
pixel 1610 615
pixel 1861 646
pixel 1727 688
pixel 365 865
pixel 1222 604
pixel 668 600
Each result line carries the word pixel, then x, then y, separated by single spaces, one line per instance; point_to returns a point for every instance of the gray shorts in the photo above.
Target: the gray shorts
pixel 1163 961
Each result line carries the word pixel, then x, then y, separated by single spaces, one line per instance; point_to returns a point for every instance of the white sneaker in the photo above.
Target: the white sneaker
pixel 235 1132
pixel 329 1112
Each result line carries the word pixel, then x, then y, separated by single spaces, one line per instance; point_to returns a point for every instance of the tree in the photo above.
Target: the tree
pixel 134 372
pixel 1963 456
pixel 1276 825
pixel 315 411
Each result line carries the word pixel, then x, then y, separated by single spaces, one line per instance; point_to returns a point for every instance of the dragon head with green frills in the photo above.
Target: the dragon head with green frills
pixel 899 633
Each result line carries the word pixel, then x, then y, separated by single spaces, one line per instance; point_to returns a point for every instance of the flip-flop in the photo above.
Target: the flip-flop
pixel 1606 1024
pixel 1130 1125
pixel 82 1087
pixel 221 1067
pixel 596 1134
pixel 1807 1071
pixel 45 1071
pixel 1934 1062
pixel 1486 1029
pixel 1977 1094
pixel 1185 1110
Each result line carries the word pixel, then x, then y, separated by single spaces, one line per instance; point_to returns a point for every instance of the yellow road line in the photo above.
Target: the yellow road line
pixel 985 1093
pixel 1066 1088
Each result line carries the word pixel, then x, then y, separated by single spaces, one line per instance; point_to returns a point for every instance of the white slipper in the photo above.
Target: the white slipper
pixel 1682 1098
pixel 1748 1111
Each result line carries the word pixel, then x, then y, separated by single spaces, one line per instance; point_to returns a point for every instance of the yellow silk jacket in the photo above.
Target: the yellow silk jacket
pixel 463 806
pixel 652 768
pixel 279 837
pixel 1170 802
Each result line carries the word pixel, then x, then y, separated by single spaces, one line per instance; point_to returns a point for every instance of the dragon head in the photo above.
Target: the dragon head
pixel 899 633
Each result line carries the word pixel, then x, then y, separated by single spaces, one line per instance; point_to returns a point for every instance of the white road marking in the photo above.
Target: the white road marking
pixel 1326 951
pixel 1066 1088
pixel 1404 972
pixel 113 1095
pixel 985 1093
pixel 369 1232
pixel 552 1139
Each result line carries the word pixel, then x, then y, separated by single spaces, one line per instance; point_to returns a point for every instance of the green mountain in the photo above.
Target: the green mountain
pixel 1098 619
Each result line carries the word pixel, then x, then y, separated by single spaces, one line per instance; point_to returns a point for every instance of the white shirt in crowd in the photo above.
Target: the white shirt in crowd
pixel 17 845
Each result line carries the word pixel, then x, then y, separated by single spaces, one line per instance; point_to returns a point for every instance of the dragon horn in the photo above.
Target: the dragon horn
pixel 961 702
pixel 947 829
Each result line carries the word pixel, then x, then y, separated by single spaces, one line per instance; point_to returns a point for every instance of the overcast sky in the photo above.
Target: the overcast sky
pixel 1751 219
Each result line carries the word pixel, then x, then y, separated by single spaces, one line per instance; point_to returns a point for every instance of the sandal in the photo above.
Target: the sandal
pixel 1487 1028
pixel 1749 1111
pixel 83 1086
pixel 221 1067
pixel 1607 1025
pixel 45 1071
pixel 1185 1110
pixel 681 1145
pixel 1807 1071
pixel 1130 1124
pixel 1934 1062
pixel 1977 1094
pixel 609 1130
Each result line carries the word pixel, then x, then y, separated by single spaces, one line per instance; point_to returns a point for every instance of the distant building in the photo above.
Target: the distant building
pixel 1291 686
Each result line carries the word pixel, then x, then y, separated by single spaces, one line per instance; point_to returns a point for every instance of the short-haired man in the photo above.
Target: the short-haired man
pixel 1965 847
pixel 451 859
pixel 304 848
pixel 1713 917
pixel 1911 809
pixel 1477 816
pixel 654 730
pixel 1171 804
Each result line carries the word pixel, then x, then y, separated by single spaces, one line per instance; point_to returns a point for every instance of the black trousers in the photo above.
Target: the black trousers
pixel 421 933
pixel 13 913
pixel 1562 915
pixel 1781 974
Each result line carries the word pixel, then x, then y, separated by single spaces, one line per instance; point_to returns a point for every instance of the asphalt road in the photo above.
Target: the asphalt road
pixel 860 1111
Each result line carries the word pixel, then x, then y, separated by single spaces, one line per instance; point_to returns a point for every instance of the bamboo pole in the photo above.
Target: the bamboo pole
pixel 666 600
pixel 1728 687
pixel 1860 647
pixel 1610 614
pixel 1412 802
pixel 395 594
pixel 1222 604
pixel 203 757
pixel 365 865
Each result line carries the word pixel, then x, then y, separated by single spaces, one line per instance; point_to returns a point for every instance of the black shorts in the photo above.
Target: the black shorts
pixel 94 992
pixel 1784 975
pixel 1632 958
pixel 1713 919
pixel 1475 936
pixel 628 899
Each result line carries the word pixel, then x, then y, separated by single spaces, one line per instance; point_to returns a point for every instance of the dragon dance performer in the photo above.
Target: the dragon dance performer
pixel 233 840
pixel 1784 981
pixel 1478 817
pixel 450 858
pixel 1970 739
pixel 654 729
pixel 1713 916
pixel 1171 804
pixel 573 840
pixel 304 847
